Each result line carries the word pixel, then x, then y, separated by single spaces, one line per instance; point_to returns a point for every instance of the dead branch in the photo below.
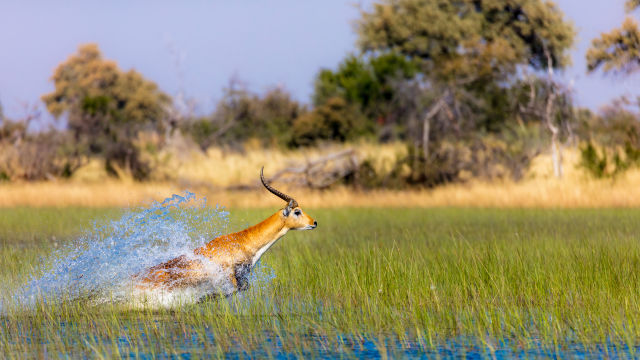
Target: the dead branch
pixel 319 173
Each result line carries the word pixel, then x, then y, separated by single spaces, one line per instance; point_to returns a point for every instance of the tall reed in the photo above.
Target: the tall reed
pixel 368 282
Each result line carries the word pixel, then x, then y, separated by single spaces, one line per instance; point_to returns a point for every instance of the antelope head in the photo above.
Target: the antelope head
pixel 292 215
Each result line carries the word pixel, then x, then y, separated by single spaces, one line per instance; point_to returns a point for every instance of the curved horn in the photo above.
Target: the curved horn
pixel 277 193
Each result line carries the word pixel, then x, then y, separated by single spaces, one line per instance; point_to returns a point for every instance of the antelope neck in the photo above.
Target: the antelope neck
pixel 265 234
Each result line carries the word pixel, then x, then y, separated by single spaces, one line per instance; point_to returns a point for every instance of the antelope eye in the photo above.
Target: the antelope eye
pixel 297 212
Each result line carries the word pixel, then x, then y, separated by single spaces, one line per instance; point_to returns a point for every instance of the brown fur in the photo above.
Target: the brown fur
pixel 233 252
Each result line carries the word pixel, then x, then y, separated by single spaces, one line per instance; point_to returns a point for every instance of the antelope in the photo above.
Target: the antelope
pixel 235 253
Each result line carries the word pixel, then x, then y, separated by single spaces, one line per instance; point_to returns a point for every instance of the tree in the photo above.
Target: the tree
pixel 335 120
pixel 241 115
pixel 368 83
pixel 277 110
pixel 618 53
pixel 546 100
pixel 613 139
pixel 468 40
pixel 466 50
pixel 107 108
pixel 619 50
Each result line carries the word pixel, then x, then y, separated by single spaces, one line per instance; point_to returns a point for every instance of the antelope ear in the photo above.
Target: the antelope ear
pixel 286 211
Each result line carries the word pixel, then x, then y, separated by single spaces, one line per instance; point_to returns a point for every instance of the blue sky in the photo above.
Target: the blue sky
pixel 198 45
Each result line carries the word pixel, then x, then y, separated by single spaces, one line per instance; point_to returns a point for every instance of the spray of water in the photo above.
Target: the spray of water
pixel 101 265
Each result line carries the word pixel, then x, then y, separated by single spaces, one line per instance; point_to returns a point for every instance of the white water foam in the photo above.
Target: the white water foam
pixel 101 264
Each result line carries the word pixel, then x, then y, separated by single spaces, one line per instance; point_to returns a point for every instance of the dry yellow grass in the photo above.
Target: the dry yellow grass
pixel 184 163
pixel 535 193
pixel 220 168
pixel 208 175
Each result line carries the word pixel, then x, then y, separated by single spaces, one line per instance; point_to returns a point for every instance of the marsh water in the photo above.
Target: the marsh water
pixel 490 284
pixel 102 262
pixel 273 345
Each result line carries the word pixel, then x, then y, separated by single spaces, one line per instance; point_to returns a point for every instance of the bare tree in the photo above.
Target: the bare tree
pixel 550 103
pixel 556 150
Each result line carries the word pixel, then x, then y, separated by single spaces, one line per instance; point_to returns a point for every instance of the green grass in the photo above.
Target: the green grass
pixel 391 279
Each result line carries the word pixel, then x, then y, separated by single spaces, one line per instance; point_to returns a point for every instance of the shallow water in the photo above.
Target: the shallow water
pixel 102 263
pixel 282 321
pixel 283 346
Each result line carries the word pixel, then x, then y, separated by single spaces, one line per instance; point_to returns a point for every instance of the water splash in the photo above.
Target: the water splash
pixel 101 264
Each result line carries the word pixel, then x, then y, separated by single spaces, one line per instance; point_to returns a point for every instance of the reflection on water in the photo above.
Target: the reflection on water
pixel 186 344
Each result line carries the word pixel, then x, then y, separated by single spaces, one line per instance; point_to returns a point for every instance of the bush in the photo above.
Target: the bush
pixel 40 156
pixel 608 162
pixel 333 121
pixel 616 130
pixel 486 158
pixel 242 115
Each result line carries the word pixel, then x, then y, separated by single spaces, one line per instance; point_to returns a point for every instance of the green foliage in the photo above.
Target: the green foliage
pixel 617 130
pixel 617 51
pixel 370 86
pixel 107 108
pixel 488 157
pixel 593 162
pixel 469 50
pixel 367 83
pixel 468 55
pixel 631 5
pixel 241 115
pixel 335 120
pixel 366 176
pixel 505 155
pixel 462 40
pixel 201 129
pixel 618 127
pixel 277 113
pixel 528 101
pixel 608 162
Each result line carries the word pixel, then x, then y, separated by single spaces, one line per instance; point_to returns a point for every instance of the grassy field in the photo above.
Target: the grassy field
pixel 366 282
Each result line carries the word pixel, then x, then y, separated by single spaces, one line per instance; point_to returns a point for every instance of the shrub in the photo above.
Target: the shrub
pixel 608 162
pixel 40 156
pixel 616 131
pixel 241 115
pixel 335 121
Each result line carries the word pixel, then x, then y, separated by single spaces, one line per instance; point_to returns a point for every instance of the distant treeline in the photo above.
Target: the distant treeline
pixel 469 86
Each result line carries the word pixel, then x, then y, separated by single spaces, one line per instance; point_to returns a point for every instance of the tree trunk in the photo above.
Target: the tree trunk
pixel 425 137
pixel 426 124
pixel 556 156
pixel 556 151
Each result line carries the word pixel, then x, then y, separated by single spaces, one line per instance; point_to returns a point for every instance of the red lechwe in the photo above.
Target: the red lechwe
pixel 234 254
